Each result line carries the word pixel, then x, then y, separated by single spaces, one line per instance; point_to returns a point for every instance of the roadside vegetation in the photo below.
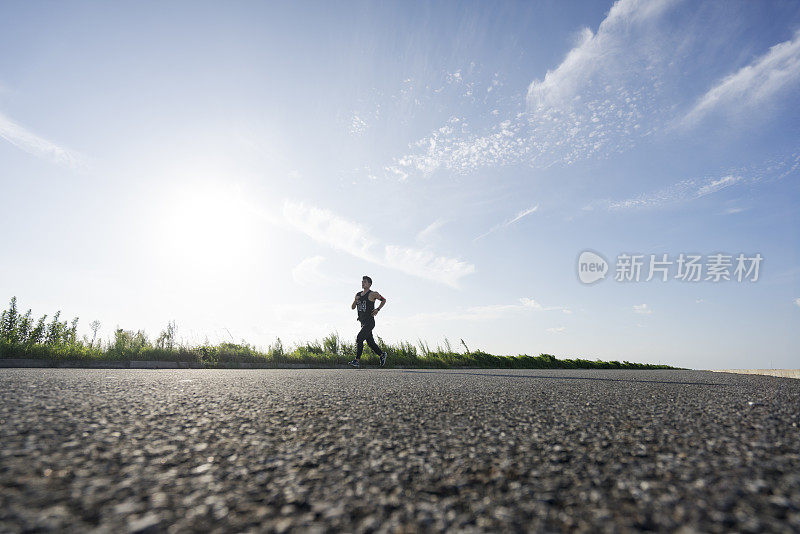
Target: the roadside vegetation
pixel 22 336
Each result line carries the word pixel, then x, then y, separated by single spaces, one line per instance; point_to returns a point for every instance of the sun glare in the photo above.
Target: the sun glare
pixel 208 229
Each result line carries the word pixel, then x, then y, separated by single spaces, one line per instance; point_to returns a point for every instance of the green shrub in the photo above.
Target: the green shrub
pixel 22 337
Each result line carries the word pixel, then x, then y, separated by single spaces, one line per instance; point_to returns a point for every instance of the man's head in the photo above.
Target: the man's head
pixel 366 282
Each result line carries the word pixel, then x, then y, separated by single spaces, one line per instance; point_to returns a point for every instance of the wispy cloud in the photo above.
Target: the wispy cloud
pixel 508 222
pixel 797 301
pixel 328 228
pixel 522 214
pixel 425 264
pixel 752 85
pixel 557 330
pixel 357 125
pixel 614 87
pixel 643 309
pixel 605 94
pixel 486 312
pixel 598 100
pixel 681 191
pixel 715 185
pixel 734 210
pixel 672 193
pixel 31 143
pixel 694 188
pixel 332 230
pixel 309 273
pixel 455 148
pixel 596 53
pixel 427 233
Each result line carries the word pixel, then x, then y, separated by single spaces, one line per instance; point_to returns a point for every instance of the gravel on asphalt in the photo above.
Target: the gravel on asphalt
pixel 391 450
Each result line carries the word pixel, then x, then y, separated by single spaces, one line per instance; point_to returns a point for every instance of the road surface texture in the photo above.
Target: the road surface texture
pixel 391 450
pixel 786 373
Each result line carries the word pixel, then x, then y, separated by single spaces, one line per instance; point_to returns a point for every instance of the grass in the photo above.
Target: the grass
pixel 56 340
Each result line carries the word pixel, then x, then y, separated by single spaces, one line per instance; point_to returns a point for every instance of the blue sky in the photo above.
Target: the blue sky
pixel 239 167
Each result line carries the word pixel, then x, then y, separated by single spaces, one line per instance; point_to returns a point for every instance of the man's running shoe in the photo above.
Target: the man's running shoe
pixel 355 363
pixel 383 359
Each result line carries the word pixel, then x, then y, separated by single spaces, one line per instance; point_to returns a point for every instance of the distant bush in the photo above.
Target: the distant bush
pixel 23 337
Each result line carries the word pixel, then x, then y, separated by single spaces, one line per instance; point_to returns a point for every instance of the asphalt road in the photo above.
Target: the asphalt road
pixel 98 450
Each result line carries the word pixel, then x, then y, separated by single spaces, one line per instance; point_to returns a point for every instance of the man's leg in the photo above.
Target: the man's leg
pixel 374 346
pixel 371 342
pixel 359 346
pixel 362 334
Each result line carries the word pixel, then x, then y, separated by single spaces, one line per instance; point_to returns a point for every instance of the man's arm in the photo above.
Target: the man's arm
pixel 355 302
pixel 379 297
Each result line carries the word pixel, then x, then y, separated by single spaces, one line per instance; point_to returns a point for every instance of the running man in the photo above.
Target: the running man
pixel 365 302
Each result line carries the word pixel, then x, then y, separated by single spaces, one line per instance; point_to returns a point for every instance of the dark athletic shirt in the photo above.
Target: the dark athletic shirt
pixel 365 307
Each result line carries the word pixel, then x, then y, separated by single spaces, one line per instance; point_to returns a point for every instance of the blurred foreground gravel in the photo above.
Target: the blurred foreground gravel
pixel 99 450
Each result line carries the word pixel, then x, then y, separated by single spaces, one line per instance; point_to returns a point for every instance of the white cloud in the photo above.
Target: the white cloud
pixel 597 101
pixel 396 172
pixel 309 273
pixel 427 233
pixel 486 312
pixel 682 191
pixel 40 147
pixel 734 210
pixel 753 84
pixel 425 264
pixel 715 185
pixel 325 227
pixel 642 309
pixel 614 87
pixel 357 125
pixel 687 190
pixel 666 195
pixel 522 214
pixel 455 148
pixel 557 330
pixel 508 222
pixel 596 54
pixel 530 303
pixel 797 301
pixel 332 230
